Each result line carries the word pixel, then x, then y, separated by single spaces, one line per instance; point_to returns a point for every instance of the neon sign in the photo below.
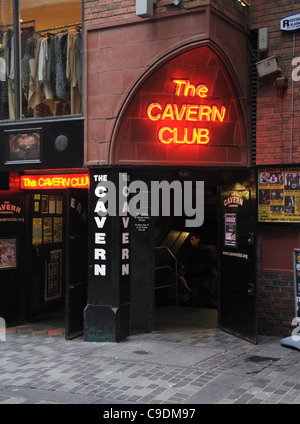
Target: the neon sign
pixel 57 181
pixel 186 113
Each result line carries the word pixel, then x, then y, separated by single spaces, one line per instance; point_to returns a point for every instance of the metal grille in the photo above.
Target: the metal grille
pixel 253 80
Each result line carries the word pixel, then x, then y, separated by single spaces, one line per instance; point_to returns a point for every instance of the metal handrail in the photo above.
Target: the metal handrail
pixel 171 253
pixel 177 262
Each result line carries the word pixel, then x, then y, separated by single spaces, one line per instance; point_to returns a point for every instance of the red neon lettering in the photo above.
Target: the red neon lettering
pixel 168 135
pixel 190 89
pixel 192 113
pixel 168 112
pixel 186 112
pixel 179 83
pixel 202 136
pixel 179 114
pixel 216 113
pixel 204 111
pixel 161 133
pixel 149 111
pixel 201 90
pixel 54 181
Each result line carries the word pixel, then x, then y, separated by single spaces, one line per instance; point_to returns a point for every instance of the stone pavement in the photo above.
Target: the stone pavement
pixel 174 365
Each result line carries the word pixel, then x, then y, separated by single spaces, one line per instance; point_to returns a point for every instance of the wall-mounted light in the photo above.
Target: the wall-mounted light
pixel 244 2
pixel 267 66
pixel 281 83
pixel 144 8
pixel 174 3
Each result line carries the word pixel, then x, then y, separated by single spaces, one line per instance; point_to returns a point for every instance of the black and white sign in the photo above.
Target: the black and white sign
pixel 290 23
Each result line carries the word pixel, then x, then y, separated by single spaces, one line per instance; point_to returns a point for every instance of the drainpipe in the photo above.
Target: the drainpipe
pixel 292 116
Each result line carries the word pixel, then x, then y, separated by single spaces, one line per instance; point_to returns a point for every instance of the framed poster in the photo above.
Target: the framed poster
pixel 53 272
pixel 296 266
pixel 37 231
pixel 57 230
pixel 23 146
pixel 279 195
pixel 8 253
pixel 47 230
pixel 230 238
pixel 45 203
pixel 52 203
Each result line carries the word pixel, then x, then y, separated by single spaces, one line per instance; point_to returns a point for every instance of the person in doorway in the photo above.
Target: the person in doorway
pixel 198 263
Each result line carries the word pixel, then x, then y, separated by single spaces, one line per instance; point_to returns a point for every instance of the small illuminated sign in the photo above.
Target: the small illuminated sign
pixel 55 181
pixel 177 116
pixel 290 23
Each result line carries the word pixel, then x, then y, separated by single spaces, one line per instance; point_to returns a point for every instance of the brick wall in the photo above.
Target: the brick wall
pixel 277 142
pixel 275 304
pixel 110 11
pixel 278 117
pixel 121 47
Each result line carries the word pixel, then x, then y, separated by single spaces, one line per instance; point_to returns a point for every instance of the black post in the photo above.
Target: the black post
pixel 106 316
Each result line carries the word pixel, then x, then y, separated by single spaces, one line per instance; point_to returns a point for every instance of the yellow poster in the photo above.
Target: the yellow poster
pixel 279 195
pixel 37 231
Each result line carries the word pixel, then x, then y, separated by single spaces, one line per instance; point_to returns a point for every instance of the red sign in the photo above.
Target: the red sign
pixel 55 181
pixel 188 111
pixel 178 114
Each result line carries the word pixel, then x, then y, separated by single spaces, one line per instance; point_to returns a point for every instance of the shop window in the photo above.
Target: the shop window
pixel 49 83
pixel 6 61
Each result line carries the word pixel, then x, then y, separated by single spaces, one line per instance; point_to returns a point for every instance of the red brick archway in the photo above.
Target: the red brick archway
pixel 186 110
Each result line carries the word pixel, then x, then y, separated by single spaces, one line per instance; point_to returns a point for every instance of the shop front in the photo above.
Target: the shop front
pixel 43 186
pixel 44 248
pixel 178 161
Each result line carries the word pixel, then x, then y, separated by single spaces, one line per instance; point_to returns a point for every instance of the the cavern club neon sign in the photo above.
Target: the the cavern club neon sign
pixel 55 181
pixel 175 133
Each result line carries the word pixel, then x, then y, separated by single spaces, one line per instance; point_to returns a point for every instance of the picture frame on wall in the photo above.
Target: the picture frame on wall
pixel 23 146
pixel 8 253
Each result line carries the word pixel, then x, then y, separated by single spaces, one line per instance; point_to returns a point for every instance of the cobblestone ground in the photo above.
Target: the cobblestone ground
pixel 189 366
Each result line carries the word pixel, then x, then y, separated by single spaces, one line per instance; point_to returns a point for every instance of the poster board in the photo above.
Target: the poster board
pixel 8 253
pixel 279 195
pixel 296 266
pixel 230 221
pixel 53 274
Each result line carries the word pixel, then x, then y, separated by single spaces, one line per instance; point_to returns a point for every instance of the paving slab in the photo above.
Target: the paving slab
pixel 188 366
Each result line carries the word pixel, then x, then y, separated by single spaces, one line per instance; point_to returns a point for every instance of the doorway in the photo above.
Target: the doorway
pixel 175 306
pixel 57 260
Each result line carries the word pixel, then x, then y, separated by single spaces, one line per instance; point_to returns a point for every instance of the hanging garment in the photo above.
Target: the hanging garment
pixel 74 70
pixel 2 69
pixel 43 69
pixel 3 79
pixel 25 69
pixel 60 51
pixel 34 95
pixel 11 76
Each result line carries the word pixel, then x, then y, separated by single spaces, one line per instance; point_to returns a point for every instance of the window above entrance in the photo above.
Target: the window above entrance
pixel 44 79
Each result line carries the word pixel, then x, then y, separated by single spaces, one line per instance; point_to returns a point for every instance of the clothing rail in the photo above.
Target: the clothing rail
pixel 21 23
pixel 60 27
